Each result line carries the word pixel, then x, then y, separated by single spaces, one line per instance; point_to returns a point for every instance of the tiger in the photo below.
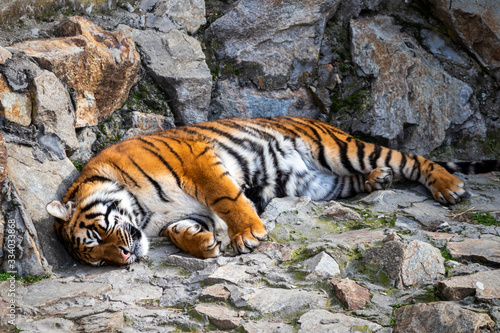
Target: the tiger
pixel 203 186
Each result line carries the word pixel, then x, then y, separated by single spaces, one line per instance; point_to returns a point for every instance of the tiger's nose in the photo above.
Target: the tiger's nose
pixel 125 255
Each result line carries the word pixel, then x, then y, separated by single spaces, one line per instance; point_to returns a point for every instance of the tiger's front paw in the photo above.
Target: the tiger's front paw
pixel 379 179
pixel 194 239
pixel 248 239
pixel 447 189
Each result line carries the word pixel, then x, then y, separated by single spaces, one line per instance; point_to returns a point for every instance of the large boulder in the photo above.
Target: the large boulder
pixel 98 66
pixel 476 25
pixel 177 63
pixel 272 43
pixel 415 102
pixel 189 14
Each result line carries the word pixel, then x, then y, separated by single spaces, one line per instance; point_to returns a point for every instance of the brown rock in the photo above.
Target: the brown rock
pixel 14 106
pixel 351 294
pixel 486 249
pixel 341 213
pixel 439 317
pixel 220 316
pixel 217 291
pixel 484 285
pixel 475 25
pixel 100 66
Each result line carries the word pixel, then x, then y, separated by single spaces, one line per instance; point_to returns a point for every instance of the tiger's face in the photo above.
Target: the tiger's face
pixel 102 233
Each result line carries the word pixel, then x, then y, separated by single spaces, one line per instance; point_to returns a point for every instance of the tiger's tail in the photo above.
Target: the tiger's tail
pixel 471 168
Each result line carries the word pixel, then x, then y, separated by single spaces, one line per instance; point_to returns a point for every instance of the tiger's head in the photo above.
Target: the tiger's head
pixel 100 229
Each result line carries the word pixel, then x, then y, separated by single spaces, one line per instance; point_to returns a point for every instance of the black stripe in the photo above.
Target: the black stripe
pixel 402 164
pixel 388 158
pixel 374 156
pixel 157 186
pixel 416 167
pixel 147 142
pixel 361 154
pixel 90 179
pixel 169 148
pixel 216 201
pixel 176 176
pixel 125 174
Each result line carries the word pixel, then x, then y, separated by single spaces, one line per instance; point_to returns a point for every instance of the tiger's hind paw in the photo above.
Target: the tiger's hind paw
pixel 379 179
pixel 193 238
pixel 248 239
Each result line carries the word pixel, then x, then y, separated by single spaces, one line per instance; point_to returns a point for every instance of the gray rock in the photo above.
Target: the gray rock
pixel 274 43
pixel 53 108
pixel 177 63
pixel 439 317
pixel 234 100
pixel 189 14
pixel 46 325
pixel 86 138
pixel 267 327
pixel 231 272
pixel 398 64
pixel 103 322
pixel 4 55
pixel 190 263
pixel 322 321
pixel 37 184
pixel 409 264
pixel 486 249
pixel 475 25
pixel 146 123
pixel 284 302
pixel 322 265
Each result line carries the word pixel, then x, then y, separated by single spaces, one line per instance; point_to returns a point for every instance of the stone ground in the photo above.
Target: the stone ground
pixel 391 261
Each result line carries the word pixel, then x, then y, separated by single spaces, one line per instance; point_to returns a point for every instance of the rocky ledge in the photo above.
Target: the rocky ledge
pixel 391 261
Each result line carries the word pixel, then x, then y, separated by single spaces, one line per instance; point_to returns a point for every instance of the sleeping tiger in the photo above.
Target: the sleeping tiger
pixel 195 183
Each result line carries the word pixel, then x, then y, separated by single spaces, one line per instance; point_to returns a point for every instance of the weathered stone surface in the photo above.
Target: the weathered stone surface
pixel 190 14
pixel 53 108
pixel 476 26
pixel 100 66
pixel 103 322
pixel 86 138
pixel 417 114
pixel 216 291
pixel 146 123
pixel 177 63
pixel 4 55
pixel 220 316
pixel 48 292
pixel 322 321
pixel 267 327
pixel 3 161
pixel 274 43
pixel 486 249
pixel 422 263
pixel 189 262
pixel 14 106
pixel 355 237
pixel 439 317
pixel 46 325
pixel 231 272
pixel 37 184
pixel 128 293
pixel 351 294
pixel 322 265
pixel 484 285
pixel 408 264
pixel 233 100
pixel 284 302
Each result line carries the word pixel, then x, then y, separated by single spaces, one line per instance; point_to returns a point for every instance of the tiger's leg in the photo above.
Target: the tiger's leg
pixel 211 183
pixel 194 236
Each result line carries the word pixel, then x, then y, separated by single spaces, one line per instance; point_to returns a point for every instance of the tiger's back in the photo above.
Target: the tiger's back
pixel 192 182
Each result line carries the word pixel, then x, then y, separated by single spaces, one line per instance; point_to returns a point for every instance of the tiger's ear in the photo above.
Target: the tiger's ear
pixel 61 210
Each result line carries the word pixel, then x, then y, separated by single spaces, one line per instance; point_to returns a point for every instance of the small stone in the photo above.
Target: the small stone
pixel 351 294
pixel 485 250
pixel 103 322
pixel 231 272
pixel 439 317
pixel 341 213
pixel 322 264
pixel 220 316
pixel 322 321
pixel 14 106
pixel 266 327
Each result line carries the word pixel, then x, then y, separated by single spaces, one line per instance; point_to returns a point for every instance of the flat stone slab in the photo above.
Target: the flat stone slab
pixel 48 292
pixel 355 237
pixel 220 316
pixel 485 285
pixel 322 321
pixel 351 294
pixel 284 302
pixel 486 249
